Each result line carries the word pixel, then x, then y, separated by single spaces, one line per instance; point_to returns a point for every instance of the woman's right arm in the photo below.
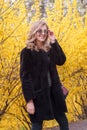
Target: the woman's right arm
pixel 25 74
pixel 26 79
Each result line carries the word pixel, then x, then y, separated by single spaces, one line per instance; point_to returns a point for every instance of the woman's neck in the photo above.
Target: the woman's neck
pixel 39 45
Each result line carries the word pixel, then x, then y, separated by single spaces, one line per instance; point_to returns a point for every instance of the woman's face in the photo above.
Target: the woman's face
pixel 41 34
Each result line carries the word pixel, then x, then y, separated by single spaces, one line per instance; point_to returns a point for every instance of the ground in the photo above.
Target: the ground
pixel 79 125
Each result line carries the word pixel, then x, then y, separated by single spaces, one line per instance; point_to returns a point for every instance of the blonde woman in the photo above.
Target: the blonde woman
pixel 40 81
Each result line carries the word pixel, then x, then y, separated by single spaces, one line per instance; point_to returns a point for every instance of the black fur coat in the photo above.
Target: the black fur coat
pixel 34 67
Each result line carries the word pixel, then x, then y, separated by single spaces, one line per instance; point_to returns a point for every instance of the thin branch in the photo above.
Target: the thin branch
pixel 13 31
pixel 5 11
pixel 17 117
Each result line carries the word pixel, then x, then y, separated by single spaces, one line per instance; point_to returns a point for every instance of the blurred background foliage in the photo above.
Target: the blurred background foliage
pixel 68 20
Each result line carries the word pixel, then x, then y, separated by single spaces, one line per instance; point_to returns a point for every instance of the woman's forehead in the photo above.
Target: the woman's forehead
pixel 43 27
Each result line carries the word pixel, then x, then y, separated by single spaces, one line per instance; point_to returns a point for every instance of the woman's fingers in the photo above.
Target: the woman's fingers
pixel 30 108
pixel 51 35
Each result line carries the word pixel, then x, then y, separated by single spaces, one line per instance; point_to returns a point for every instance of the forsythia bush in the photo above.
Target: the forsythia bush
pixel 71 32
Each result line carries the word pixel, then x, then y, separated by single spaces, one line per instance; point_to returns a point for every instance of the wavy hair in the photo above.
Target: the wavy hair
pixel 31 41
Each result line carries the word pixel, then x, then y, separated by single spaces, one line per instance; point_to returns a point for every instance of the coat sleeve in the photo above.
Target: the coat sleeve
pixel 25 74
pixel 58 54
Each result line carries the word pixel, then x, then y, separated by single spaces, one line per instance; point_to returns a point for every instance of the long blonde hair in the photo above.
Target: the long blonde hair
pixel 31 36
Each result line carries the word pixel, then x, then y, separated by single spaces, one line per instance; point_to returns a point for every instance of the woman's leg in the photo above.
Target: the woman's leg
pixel 37 126
pixel 62 120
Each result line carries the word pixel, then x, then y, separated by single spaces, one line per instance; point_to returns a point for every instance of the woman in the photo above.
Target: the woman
pixel 40 81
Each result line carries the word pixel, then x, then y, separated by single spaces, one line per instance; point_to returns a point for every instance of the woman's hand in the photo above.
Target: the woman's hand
pixel 51 36
pixel 30 107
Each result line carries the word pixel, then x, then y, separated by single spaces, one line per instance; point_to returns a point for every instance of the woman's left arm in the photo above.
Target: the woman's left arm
pixel 59 56
pixel 57 52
